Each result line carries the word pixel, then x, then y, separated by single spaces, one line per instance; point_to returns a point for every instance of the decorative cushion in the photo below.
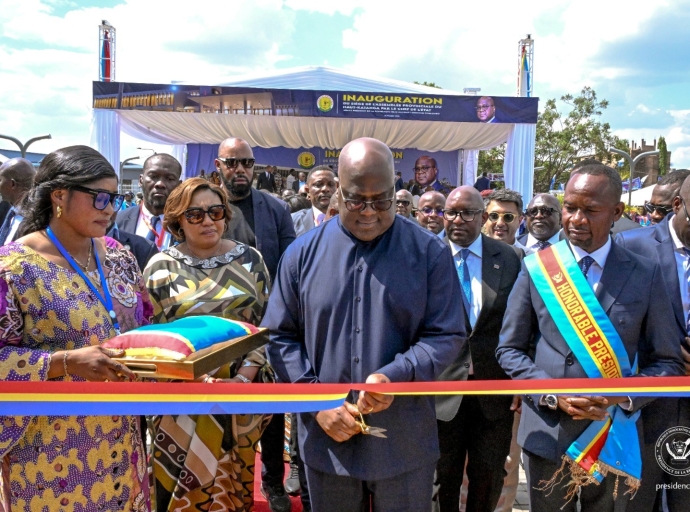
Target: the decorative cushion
pixel 179 338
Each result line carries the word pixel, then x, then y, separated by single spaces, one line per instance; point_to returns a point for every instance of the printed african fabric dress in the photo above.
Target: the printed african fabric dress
pixel 75 463
pixel 206 462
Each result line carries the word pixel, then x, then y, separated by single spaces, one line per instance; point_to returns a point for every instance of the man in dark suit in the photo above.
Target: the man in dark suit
pixel 299 182
pixel 398 181
pixel 663 194
pixel 543 215
pixel 482 183
pixel 269 224
pixel 426 176
pixel 476 427
pixel 321 187
pixel 668 244
pixel 16 178
pixel 266 180
pixel 160 176
pixel 630 289
pixel 142 249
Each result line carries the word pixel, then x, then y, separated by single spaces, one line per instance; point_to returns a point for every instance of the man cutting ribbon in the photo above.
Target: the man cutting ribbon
pixel 591 309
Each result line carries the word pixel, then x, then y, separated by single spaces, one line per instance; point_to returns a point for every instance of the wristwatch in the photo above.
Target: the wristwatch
pixel 243 378
pixel 551 401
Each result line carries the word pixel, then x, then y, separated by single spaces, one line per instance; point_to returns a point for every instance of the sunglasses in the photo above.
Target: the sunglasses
pixel 231 163
pixel 102 198
pixel 545 211
pixel 356 205
pixel 658 208
pixel 402 203
pixel 507 217
pixel 428 210
pixel 465 215
pixel 196 215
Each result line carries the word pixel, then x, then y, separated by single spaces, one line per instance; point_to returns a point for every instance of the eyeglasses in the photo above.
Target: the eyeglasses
pixel 483 107
pixel 231 163
pixel 660 209
pixel 101 198
pixel 428 210
pixel 423 169
pixel 507 217
pixel 356 205
pixel 465 215
pixel 196 215
pixel 543 210
pixel 402 203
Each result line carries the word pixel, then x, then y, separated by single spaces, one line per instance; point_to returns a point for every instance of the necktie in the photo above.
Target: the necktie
pixel 5 229
pixel 585 263
pixel 687 282
pixel 320 219
pixel 464 275
pixel 153 234
pixel 541 244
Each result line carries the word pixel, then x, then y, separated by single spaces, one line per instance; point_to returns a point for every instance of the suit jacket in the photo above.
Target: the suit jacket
pixel 631 293
pixel 624 224
pixel 273 229
pixel 142 249
pixel 303 221
pixel 4 209
pixel 482 184
pixel 127 219
pixel 266 183
pixel 500 268
pixel 656 244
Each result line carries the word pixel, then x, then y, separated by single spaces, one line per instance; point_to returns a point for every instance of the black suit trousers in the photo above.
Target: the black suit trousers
pixel 485 444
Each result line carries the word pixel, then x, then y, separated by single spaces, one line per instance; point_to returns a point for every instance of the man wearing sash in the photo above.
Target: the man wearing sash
pixel 668 243
pixel 581 308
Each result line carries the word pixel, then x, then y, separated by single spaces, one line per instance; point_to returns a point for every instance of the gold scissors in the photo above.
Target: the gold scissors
pixel 370 431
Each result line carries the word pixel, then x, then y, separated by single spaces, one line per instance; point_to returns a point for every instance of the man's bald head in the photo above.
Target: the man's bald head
pixel 365 168
pixel 543 216
pixel 232 143
pixel 430 211
pixel 466 208
pixel 404 203
pixel 16 178
pixel 545 199
pixel 236 178
pixel 164 159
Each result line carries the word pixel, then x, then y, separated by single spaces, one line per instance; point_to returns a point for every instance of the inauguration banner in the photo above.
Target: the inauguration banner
pixel 309 103
pixel 202 156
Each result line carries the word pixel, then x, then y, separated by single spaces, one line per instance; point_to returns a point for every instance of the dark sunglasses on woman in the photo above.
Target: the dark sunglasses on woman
pixel 196 215
pixel 101 198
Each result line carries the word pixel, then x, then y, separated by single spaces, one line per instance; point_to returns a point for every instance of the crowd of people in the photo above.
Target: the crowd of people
pixel 359 278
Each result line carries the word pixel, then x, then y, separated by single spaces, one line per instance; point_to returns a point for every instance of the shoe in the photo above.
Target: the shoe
pixel 292 486
pixel 278 501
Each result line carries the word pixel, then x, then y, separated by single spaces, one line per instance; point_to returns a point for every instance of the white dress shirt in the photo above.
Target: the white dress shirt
pixel 143 227
pixel 14 226
pixel 599 256
pixel 531 242
pixel 474 265
pixel 682 267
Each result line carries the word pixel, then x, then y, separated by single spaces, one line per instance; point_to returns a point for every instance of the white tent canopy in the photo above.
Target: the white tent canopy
pixel 639 196
pixel 179 128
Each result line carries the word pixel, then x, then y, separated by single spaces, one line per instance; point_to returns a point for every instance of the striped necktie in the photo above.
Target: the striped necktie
pixel 153 234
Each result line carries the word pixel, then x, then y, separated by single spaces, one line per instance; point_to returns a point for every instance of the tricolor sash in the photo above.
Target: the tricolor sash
pixel 611 445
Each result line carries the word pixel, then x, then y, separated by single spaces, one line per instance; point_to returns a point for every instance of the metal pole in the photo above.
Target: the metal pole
pixel 632 163
pixel 24 147
pixel 124 162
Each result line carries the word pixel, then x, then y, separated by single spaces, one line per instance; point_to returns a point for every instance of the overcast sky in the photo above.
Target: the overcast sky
pixel 636 54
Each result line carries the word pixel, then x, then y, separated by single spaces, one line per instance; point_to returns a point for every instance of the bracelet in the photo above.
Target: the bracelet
pixel 243 378
pixel 64 363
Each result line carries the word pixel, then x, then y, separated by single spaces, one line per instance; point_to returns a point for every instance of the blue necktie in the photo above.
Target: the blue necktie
pixel 5 229
pixel 542 244
pixel 152 235
pixel 464 276
pixel 585 263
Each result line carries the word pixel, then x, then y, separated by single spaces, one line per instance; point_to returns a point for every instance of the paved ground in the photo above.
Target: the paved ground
pixel 522 499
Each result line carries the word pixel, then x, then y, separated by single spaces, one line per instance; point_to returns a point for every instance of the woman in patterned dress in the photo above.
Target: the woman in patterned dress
pixel 207 462
pixel 51 327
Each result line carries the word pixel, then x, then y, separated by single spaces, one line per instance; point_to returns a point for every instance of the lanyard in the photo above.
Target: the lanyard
pixel 159 236
pixel 105 299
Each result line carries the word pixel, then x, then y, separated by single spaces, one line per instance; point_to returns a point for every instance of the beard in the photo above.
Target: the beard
pixel 236 190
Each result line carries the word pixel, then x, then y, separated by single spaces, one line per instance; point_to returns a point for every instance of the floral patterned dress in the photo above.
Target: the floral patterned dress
pixel 75 463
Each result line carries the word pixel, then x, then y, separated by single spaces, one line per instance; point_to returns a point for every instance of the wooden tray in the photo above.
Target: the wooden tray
pixel 199 363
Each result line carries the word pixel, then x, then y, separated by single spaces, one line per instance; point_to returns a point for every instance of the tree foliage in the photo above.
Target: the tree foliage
pixel 663 156
pixel 564 138
pixel 428 84
pixel 491 160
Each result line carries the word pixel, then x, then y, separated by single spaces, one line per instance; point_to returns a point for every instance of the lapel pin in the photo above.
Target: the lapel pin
pixel 496 266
